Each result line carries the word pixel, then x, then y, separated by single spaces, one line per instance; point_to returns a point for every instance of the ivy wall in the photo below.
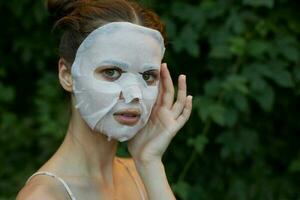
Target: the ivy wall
pixel 242 61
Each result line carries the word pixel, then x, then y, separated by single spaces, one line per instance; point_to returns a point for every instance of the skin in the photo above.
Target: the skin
pixel 87 161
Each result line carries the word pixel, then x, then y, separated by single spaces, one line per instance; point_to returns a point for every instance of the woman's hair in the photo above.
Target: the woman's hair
pixel 78 18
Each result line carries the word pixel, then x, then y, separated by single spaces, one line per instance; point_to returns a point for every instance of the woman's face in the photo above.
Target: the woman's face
pixel 116 78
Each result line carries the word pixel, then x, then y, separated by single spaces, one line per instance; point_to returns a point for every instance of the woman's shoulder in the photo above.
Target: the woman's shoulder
pixel 36 192
pixel 41 188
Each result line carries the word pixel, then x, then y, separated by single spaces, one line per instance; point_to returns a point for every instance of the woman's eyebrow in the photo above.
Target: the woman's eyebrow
pixel 117 63
pixel 150 66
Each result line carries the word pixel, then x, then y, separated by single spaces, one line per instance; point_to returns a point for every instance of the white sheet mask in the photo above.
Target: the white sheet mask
pixel 132 48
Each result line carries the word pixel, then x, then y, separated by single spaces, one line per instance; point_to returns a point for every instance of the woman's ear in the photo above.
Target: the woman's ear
pixel 64 74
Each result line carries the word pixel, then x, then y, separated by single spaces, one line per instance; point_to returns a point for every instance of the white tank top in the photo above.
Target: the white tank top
pixel 68 190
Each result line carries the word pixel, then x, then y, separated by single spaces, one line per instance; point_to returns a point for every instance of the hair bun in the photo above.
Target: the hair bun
pixel 60 8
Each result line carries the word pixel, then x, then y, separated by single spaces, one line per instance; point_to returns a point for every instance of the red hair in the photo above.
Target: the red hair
pixel 78 18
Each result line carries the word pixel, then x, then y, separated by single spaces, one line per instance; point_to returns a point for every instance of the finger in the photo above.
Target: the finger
pixel 160 95
pixel 186 111
pixel 158 99
pixel 167 86
pixel 181 96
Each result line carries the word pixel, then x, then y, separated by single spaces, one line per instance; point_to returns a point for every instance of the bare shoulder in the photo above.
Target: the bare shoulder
pixel 41 188
pixel 35 193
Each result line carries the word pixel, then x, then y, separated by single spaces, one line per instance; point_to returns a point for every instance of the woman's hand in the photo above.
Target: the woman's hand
pixel 166 119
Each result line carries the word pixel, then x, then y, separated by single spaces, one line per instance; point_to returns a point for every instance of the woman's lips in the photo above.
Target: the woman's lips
pixel 128 117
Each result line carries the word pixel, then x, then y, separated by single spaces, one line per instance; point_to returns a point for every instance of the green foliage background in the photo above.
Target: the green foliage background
pixel 242 61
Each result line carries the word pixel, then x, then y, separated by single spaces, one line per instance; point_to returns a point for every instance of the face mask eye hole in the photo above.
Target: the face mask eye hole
pixel 150 77
pixel 108 73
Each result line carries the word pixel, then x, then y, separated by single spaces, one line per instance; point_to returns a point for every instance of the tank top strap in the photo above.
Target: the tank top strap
pixel 71 195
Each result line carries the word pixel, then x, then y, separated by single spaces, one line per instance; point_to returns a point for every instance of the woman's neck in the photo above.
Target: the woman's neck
pixel 86 153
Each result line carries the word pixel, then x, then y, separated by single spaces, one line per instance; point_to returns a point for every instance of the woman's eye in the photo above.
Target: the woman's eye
pixel 150 77
pixel 146 77
pixel 109 74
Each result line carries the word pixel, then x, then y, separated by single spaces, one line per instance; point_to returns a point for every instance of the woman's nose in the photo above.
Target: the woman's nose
pixel 135 100
pixel 131 94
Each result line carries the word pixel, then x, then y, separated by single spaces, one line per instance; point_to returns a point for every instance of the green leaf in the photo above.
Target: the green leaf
pixel 199 143
pixel 182 189
pixel 263 93
pixel 236 23
pixel 7 93
pixel 235 83
pixel 291 53
pixel 2 71
pixel 238 144
pixel 217 113
pixel 213 87
pixel 274 70
pixel 282 78
pixel 209 109
pixel 187 40
pixel 220 51
pixel 219 43
pixel 170 26
pixel 262 27
pixel 296 73
pixel 213 9
pixel 287 46
pixel 259 3
pixel 227 141
pixel 237 46
pixel 277 72
pixel 238 189
pixel 189 14
pixel 7 121
pixel 257 48
pixel 202 105
pixel 240 102
pixel 230 117
pixel 295 165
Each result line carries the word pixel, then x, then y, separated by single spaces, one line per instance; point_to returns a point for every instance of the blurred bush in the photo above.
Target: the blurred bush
pixel 242 61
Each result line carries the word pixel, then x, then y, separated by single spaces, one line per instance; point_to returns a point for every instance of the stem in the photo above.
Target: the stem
pixel 193 156
pixel 187 166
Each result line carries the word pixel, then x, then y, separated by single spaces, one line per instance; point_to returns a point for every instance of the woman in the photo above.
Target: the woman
pixel 110 63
